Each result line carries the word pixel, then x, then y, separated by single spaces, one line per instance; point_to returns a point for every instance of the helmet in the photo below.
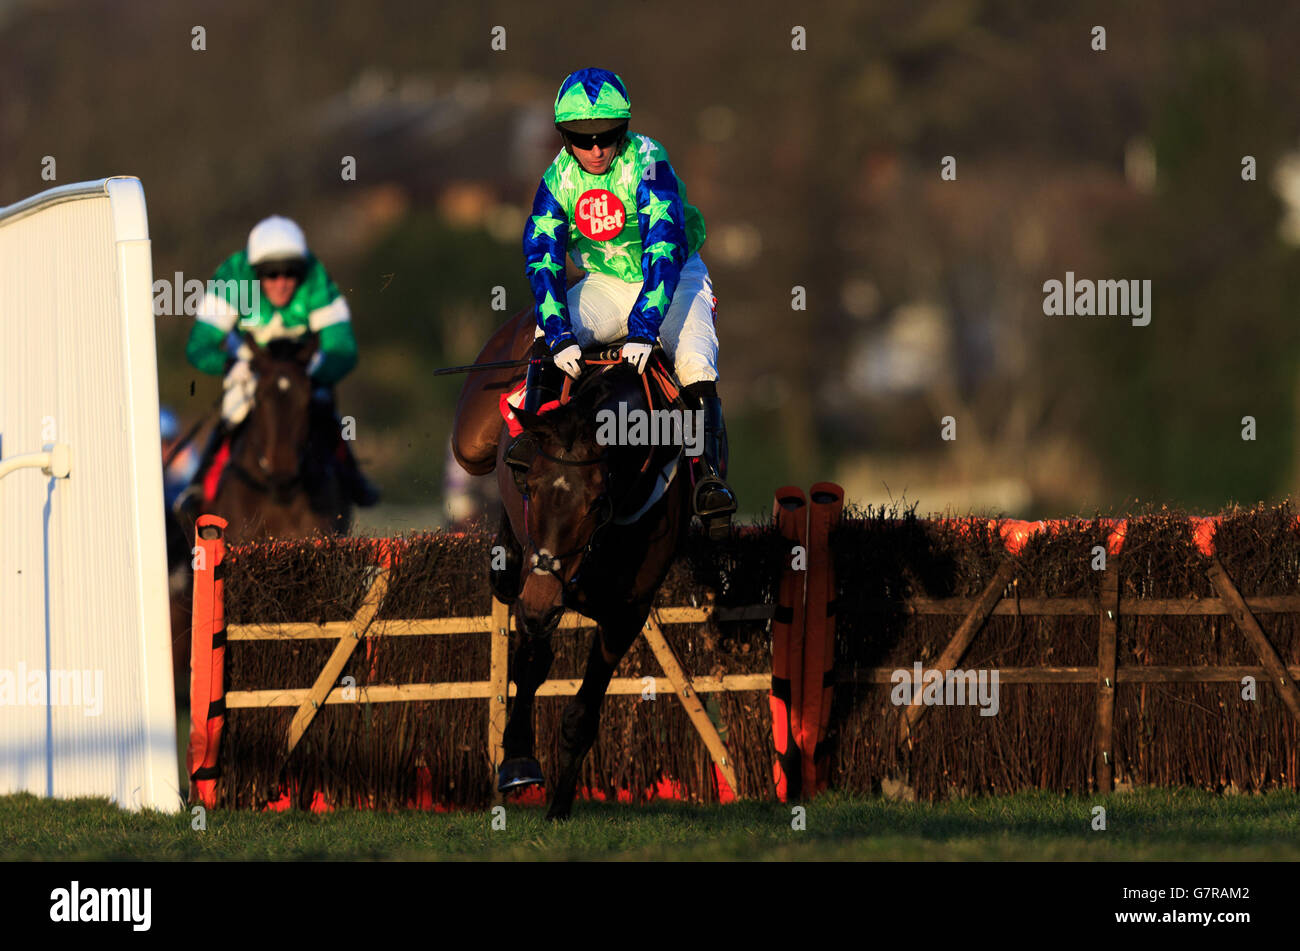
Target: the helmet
pixel 276 239
pixel 592 100
pixel 168 426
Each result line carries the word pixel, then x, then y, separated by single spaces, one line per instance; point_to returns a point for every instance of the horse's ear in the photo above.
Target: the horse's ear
pixel 260 355
pixel 530 421
pixel 306 349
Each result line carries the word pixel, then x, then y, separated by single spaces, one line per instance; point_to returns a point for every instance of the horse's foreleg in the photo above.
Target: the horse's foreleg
pixel 529 667
pixel 504 577
pixel 582 714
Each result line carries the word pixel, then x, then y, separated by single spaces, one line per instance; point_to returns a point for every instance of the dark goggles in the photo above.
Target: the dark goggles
pixel 269 272
pixel 589 140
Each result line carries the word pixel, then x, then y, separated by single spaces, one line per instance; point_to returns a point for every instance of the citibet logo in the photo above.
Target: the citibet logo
pixel 600 214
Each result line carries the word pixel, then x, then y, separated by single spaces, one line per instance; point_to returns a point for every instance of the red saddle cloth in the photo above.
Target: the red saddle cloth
pixel 515 398
pixel 212 478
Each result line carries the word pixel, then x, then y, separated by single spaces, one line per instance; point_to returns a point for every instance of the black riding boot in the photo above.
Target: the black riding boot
pixel 714 501
pixel 330 446
pixel 364 492
pixel 191 497
pixel 541 382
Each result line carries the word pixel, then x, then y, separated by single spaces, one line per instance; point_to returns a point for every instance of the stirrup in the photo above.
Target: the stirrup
pixel 716 519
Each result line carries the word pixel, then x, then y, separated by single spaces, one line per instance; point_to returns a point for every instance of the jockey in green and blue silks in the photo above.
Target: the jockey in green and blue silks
pixel 614 204
pixel 272 289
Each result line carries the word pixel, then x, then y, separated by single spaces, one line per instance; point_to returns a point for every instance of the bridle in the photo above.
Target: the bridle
pixel 280 490
pixel 551 564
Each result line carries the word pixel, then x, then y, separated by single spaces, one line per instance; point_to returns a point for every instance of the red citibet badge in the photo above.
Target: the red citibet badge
pixel 600 214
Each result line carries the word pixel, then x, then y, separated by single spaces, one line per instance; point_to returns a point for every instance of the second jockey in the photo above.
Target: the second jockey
pixel 295 297
pixel 612 201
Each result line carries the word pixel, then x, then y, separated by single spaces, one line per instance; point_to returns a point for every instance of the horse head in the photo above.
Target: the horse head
pixel 566 499
pixel 278 428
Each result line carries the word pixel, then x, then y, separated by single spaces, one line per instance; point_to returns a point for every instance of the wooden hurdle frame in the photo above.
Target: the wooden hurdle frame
pixel 1000 598
pixel 496 689
pixel 210 700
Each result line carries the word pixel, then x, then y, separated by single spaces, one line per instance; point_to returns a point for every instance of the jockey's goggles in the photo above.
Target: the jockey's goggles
pixel 589 140
pixel 269 272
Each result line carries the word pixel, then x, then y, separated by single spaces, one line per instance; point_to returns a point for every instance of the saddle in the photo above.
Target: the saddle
pixel 649 440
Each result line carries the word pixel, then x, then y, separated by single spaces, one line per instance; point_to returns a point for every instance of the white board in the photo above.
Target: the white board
pixel 83 567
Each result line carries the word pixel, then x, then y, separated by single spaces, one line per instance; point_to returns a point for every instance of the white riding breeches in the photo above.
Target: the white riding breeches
pixel 599 306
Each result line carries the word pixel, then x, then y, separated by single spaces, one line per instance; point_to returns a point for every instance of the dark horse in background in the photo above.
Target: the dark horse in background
pixel 277 482
pixel 575 537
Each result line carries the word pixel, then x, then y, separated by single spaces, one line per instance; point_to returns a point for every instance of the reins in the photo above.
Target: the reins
pixel 551 564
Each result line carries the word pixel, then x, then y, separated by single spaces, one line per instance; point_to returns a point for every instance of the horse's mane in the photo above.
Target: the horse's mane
pixel 575 420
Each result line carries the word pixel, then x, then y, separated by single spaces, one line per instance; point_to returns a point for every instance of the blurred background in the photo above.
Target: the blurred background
pixel 817 168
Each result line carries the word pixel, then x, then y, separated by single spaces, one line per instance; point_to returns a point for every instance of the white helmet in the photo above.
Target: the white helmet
pixel 276 239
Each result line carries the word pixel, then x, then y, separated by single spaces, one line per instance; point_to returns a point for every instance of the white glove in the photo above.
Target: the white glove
pixel 237 399
pixel 570 360
pixel 637 354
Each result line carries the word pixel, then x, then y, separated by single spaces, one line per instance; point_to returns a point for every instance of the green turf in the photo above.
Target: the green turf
pixel 1141 826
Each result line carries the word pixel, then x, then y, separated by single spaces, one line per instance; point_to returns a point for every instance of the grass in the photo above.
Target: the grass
pixel 1146 825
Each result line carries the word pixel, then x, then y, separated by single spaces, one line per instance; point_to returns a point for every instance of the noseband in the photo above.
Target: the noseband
pixel 551 564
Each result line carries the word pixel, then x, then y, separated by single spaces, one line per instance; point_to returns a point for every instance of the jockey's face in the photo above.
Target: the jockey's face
pixel 279 284
pixel 597 159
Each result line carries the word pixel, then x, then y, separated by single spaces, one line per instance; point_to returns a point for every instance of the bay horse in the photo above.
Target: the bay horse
pixel 275 484
pixel 578 534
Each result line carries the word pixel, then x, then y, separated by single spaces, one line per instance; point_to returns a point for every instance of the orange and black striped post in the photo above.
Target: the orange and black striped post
pixel 790 510
pixel 827 500
pixel 207 659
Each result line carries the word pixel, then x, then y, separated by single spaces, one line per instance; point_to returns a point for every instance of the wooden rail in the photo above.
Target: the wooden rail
pixel 424 627
pixel 481 689
pixel 957 607
pixel 1088 675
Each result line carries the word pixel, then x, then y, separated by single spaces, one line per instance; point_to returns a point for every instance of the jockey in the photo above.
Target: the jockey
pixel 613 202
pixel 291 295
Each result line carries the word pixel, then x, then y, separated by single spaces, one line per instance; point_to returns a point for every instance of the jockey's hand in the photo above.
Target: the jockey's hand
pixel 570 360
pixel 637 354
pixel 240 374
pixel 239 387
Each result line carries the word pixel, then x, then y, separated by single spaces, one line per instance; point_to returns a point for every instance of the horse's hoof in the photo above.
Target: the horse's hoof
pixel 557 815
pixel 518 772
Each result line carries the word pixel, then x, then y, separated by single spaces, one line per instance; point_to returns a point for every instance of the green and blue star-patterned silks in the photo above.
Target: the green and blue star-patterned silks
pixel 592 94
pixel 660 231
